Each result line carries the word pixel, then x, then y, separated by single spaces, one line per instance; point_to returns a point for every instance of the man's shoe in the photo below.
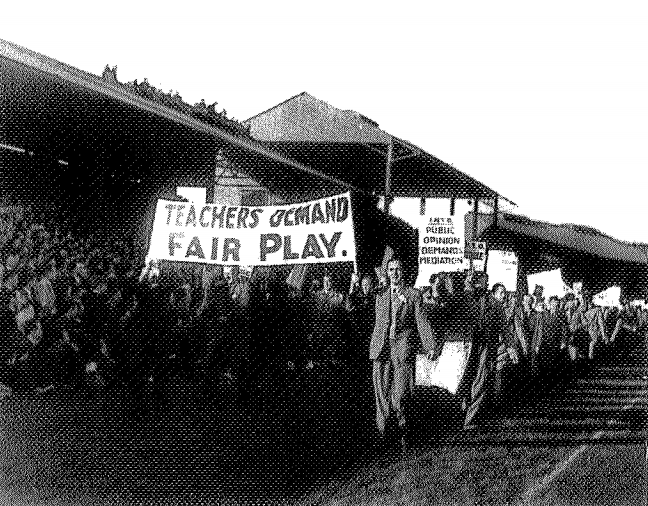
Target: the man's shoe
pixel 404 441
pixel 404 446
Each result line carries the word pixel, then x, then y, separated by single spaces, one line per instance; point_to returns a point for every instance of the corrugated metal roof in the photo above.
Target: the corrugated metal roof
pixel 575 237
pixel 41 84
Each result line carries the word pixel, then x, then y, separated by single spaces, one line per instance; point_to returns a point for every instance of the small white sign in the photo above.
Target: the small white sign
pixel 502 268
pixel 551 281
pixel 608 298
pixel 477 251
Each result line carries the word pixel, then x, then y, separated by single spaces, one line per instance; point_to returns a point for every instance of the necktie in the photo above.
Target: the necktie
pixel 392 312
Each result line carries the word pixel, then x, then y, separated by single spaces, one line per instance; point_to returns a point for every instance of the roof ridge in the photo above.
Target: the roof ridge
pixel 278 105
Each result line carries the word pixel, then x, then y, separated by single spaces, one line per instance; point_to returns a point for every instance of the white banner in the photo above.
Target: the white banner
pixel 502 268
pixel 308 232
pixel 441 246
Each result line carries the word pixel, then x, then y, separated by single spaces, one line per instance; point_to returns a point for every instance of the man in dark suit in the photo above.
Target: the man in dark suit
pixel 549 339
pixel 488 329
pixel 401 326
pixel 361 307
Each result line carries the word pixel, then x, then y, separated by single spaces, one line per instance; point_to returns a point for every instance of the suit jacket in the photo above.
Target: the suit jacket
pixel 524 329
pixel 590 321
pixel 489 325
pixel 550 330
pixel 412 327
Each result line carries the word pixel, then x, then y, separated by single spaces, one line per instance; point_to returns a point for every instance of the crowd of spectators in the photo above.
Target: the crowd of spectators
pixel 61 298
pixel 201 111
pixel 85 311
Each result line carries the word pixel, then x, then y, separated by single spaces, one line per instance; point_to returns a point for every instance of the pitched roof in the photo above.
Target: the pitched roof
pixel 304 118
pixel 307 128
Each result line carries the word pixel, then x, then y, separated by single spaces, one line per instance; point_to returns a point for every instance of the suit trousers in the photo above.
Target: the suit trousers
pixel 484 390
pixel 393 385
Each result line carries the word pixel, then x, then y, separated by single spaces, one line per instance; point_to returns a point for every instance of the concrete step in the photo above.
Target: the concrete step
pixel 634 373
pixel 594 401
pixel 540 437
pixel 607 383
pixel 593 394
pixel 630 369
pixel 608 401
pixel 574 412
pixel 566 424
pixel 596 392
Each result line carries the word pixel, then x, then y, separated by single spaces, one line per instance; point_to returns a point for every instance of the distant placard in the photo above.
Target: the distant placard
pixel 475 250
pixel 551 281
pixel 502 268
pixel 610 297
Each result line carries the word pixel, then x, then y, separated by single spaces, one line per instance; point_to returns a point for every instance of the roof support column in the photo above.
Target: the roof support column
pixel 388 191
pixel 474 229
pixel 495 212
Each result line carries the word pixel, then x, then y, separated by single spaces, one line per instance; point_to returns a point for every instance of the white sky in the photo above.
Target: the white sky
pixel 545 103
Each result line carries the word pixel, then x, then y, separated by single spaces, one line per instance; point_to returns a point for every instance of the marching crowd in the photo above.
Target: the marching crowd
pixel 83 311
pixel 524 345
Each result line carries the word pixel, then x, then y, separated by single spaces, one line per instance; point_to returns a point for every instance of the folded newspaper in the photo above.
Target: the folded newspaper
pixel 446 371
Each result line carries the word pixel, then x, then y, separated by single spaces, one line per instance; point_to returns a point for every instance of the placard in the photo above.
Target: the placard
pixel 551 281
pixel 441 246
pixel 502 268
